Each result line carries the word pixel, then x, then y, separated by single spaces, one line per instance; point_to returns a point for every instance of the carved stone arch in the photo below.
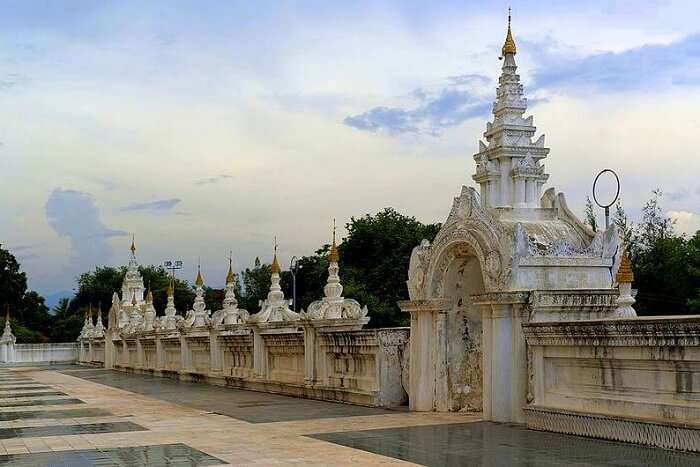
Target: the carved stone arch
pixel 463 241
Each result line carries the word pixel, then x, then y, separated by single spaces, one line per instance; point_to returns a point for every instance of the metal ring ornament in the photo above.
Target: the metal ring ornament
pixel 617 194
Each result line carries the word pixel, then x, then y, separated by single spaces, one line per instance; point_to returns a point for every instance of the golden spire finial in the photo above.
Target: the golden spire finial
pixel 333 256
pixel 230 277
pixel 7 313
pixel 171 288
pixel 133 299
pixel 199 282
pixel 90 311
pixel 624 273
pixel 133 244
pixel 149 296
pixel 509 45
pixel 275 268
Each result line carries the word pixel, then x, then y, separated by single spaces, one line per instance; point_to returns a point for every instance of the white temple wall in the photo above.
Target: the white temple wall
pixel 36 353
pixel 361 366
pixel 635 380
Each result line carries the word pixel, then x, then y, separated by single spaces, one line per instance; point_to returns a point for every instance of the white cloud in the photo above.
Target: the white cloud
pixel 686 222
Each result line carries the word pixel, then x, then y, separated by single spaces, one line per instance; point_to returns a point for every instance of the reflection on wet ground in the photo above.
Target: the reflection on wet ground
pixel 41 402
pixel 63 430
pixel 161 455
pixel 36 414
pixel 13 395
pixel 493 444
pixel 253 407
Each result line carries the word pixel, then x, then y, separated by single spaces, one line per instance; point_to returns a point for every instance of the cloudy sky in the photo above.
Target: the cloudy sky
pixel 205 126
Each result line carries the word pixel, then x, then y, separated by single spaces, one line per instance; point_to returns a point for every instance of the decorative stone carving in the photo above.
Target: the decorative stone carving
pixel 418 269
pixel 99 331
pixel 7 336
pixel 624 279
pixel 275 308
pixel 333 305
pixel 170 321
pixel 199 316
pixel 149 315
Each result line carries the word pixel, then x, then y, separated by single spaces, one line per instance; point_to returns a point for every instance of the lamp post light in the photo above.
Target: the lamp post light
pixel 172 266
pixel 606 207
pixel 294 267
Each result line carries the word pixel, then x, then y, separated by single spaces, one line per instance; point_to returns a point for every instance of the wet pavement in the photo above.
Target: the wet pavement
pixel 14 395
pixel 251 406
pixel 62 430
pixel 176 423
pixel 492 444
pixel 41 402
pixel 34 414
pixel 163 455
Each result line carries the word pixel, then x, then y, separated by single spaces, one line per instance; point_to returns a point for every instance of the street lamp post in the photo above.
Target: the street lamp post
pixel 172 266
pixel 294 267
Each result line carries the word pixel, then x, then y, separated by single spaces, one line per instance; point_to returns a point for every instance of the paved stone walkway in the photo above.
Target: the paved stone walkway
pixel 109 418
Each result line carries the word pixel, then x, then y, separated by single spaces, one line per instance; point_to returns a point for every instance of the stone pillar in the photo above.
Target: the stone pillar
pixel 504 356
pixel 109 350
pixel 216 356
pixel 311 352
pixel 532 189
pixel 125 353
pixel 140 357
pixel 428 354
pixel 520 192
pixel 259 354
pixel 186 357
pixel 160 356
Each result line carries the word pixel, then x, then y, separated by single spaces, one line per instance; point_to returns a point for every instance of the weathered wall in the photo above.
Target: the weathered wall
pixel 35 353
pixel 363 366
pixel 635 380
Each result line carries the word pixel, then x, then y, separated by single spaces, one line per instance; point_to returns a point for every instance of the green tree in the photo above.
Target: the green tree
pixel 624 227
pixel 590 217
pixel 374 262
pixel 256 284
pixel 661 261
pixel 30 316
pixel 95 289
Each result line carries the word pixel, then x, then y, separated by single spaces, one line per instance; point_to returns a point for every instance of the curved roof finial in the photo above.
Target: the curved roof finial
pixel 275 268
pixel 199 282
pixel 230 277
pixel 509 44
pixel 333 256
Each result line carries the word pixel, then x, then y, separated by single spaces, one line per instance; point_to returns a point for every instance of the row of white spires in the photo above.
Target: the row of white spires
pixel 134 312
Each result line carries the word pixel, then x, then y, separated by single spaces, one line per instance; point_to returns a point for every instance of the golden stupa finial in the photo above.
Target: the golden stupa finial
pixel 333 256
pixel 171 288
pixel 624 273
pixel 149 295
pixel 199 282
pixel 509 44
pixel 133 299
pixel 133 244
pixel 7 313
pixel 230 277
pixel 90 311
pixel 275 268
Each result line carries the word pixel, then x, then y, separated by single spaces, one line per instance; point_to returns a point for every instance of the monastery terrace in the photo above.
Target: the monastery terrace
pixel 522 333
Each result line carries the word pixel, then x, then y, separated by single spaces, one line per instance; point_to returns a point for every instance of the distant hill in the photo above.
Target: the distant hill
pixel 52 299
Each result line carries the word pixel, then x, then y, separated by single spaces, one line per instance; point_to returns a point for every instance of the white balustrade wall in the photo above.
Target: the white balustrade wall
pixel 357 366
pixel 39 353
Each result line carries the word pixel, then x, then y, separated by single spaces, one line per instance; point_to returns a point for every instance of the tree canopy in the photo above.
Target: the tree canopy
pixel 29 315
